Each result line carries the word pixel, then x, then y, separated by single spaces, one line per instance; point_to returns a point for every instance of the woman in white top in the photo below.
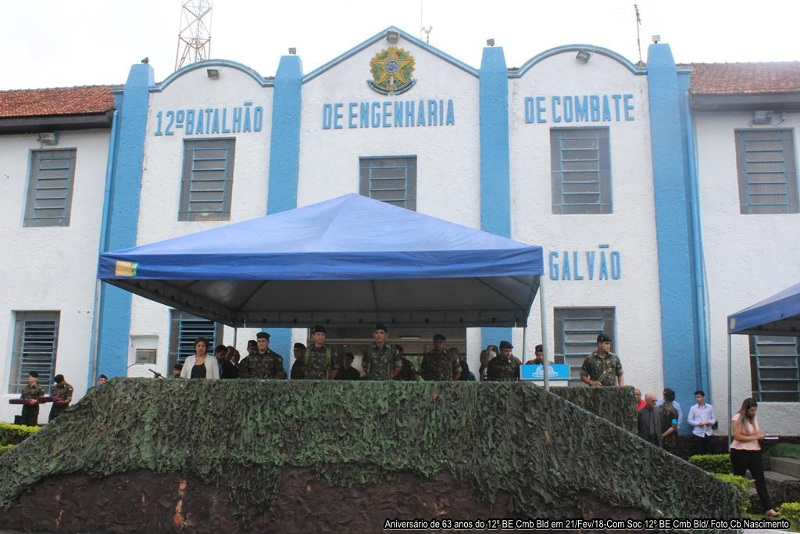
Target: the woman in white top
pixel 746 452
pixel 200 365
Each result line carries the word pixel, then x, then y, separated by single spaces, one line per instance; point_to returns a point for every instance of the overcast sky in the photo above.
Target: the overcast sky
pixel 48 43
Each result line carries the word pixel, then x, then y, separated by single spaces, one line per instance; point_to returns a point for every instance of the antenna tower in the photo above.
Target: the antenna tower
pixel 638 39
pixel 194 39
pixel 423 29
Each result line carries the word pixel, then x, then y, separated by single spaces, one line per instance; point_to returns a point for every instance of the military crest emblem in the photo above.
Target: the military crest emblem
pixel 392 70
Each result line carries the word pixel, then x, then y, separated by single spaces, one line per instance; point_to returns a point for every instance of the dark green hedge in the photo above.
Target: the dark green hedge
pixel 741 484
pixel 785 450
pixel 14 434
pixel 713 463
pixel 502 437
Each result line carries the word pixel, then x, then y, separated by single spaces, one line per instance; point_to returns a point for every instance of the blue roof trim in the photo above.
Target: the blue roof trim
pixel 382 35
pixel 212 63
pixel 625 62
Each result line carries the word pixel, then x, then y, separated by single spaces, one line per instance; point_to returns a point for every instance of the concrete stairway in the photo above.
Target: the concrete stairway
pixel 783 479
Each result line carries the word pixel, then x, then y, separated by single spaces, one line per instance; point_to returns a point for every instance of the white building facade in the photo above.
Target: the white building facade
pixel 628 176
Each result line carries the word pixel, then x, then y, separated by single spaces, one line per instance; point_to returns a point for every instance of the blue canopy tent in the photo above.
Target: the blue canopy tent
pixel 778 315
pixel 346 261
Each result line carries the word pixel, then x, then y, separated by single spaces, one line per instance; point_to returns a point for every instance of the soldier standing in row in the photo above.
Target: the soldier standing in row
pixel 602 367
pixel 407 370
pixel 438 364
pixel 348 372
pixel 538 356
pixel 505 367
pixel 30 412
pixel 297 367
pixel 321 361
pixel 381 361
pixel 265 363
pixel 252 347
pixel 62 391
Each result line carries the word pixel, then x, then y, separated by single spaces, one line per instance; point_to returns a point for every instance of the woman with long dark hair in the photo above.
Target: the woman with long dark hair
pixel 746 452
pixel 200 365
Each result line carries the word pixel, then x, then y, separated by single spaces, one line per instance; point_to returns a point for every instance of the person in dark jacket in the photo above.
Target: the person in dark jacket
pixel 649 421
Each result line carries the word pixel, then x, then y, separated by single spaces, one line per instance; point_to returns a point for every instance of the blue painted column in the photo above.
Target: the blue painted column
pixel 681 338
pixel 284 162
pixel 702 372
pixel 495 164
pixel 120 224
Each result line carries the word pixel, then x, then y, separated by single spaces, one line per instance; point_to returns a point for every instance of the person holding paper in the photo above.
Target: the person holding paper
pixel 745 451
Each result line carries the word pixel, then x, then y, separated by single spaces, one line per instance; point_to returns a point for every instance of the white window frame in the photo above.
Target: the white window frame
pixel 207 179
pixel 767 171
pixel 580 163
pixel 184 329
pixel 576 329
pixel 35 348
pixel 391 179
pixel 51 181
pixel 775 369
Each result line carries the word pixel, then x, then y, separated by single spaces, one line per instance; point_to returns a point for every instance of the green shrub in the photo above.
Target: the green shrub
pixel 785 450
pixel 713 463
pixel 14 434
pixel 5 448
pixel 791 511
pixel 741 484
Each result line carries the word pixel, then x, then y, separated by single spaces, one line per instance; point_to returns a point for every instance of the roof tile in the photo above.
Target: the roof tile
pixel 746 78
pixel 86 100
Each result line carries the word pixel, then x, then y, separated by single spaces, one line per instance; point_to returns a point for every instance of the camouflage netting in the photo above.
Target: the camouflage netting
pixel 514 439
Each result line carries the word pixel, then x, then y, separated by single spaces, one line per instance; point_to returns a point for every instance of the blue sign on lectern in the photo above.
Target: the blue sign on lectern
pixel 559 372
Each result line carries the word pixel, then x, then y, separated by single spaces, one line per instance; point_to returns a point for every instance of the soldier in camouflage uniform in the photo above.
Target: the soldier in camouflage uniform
pixel 407 370
pixel 63 391
pixel 438 364
pixel 321 361
pixel 297 367
pixel 264 364
pixel 602 367
pixel 348 372
pixel 30 412
pixel 504 367
pixel 381 361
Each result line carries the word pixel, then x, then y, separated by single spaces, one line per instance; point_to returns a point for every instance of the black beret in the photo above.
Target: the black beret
pixel 299 346
pixel 381 326
pixel 34 374
pixel 58 379
pixel 318 328
pixel 506 345
pixel 262 335
pixel 439 337
pixel 602 338
pixel 538 348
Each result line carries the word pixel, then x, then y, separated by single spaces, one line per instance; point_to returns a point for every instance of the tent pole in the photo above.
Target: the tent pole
pixel 545 343
pixel 730 390
pixel 524 342
pixel 235 335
